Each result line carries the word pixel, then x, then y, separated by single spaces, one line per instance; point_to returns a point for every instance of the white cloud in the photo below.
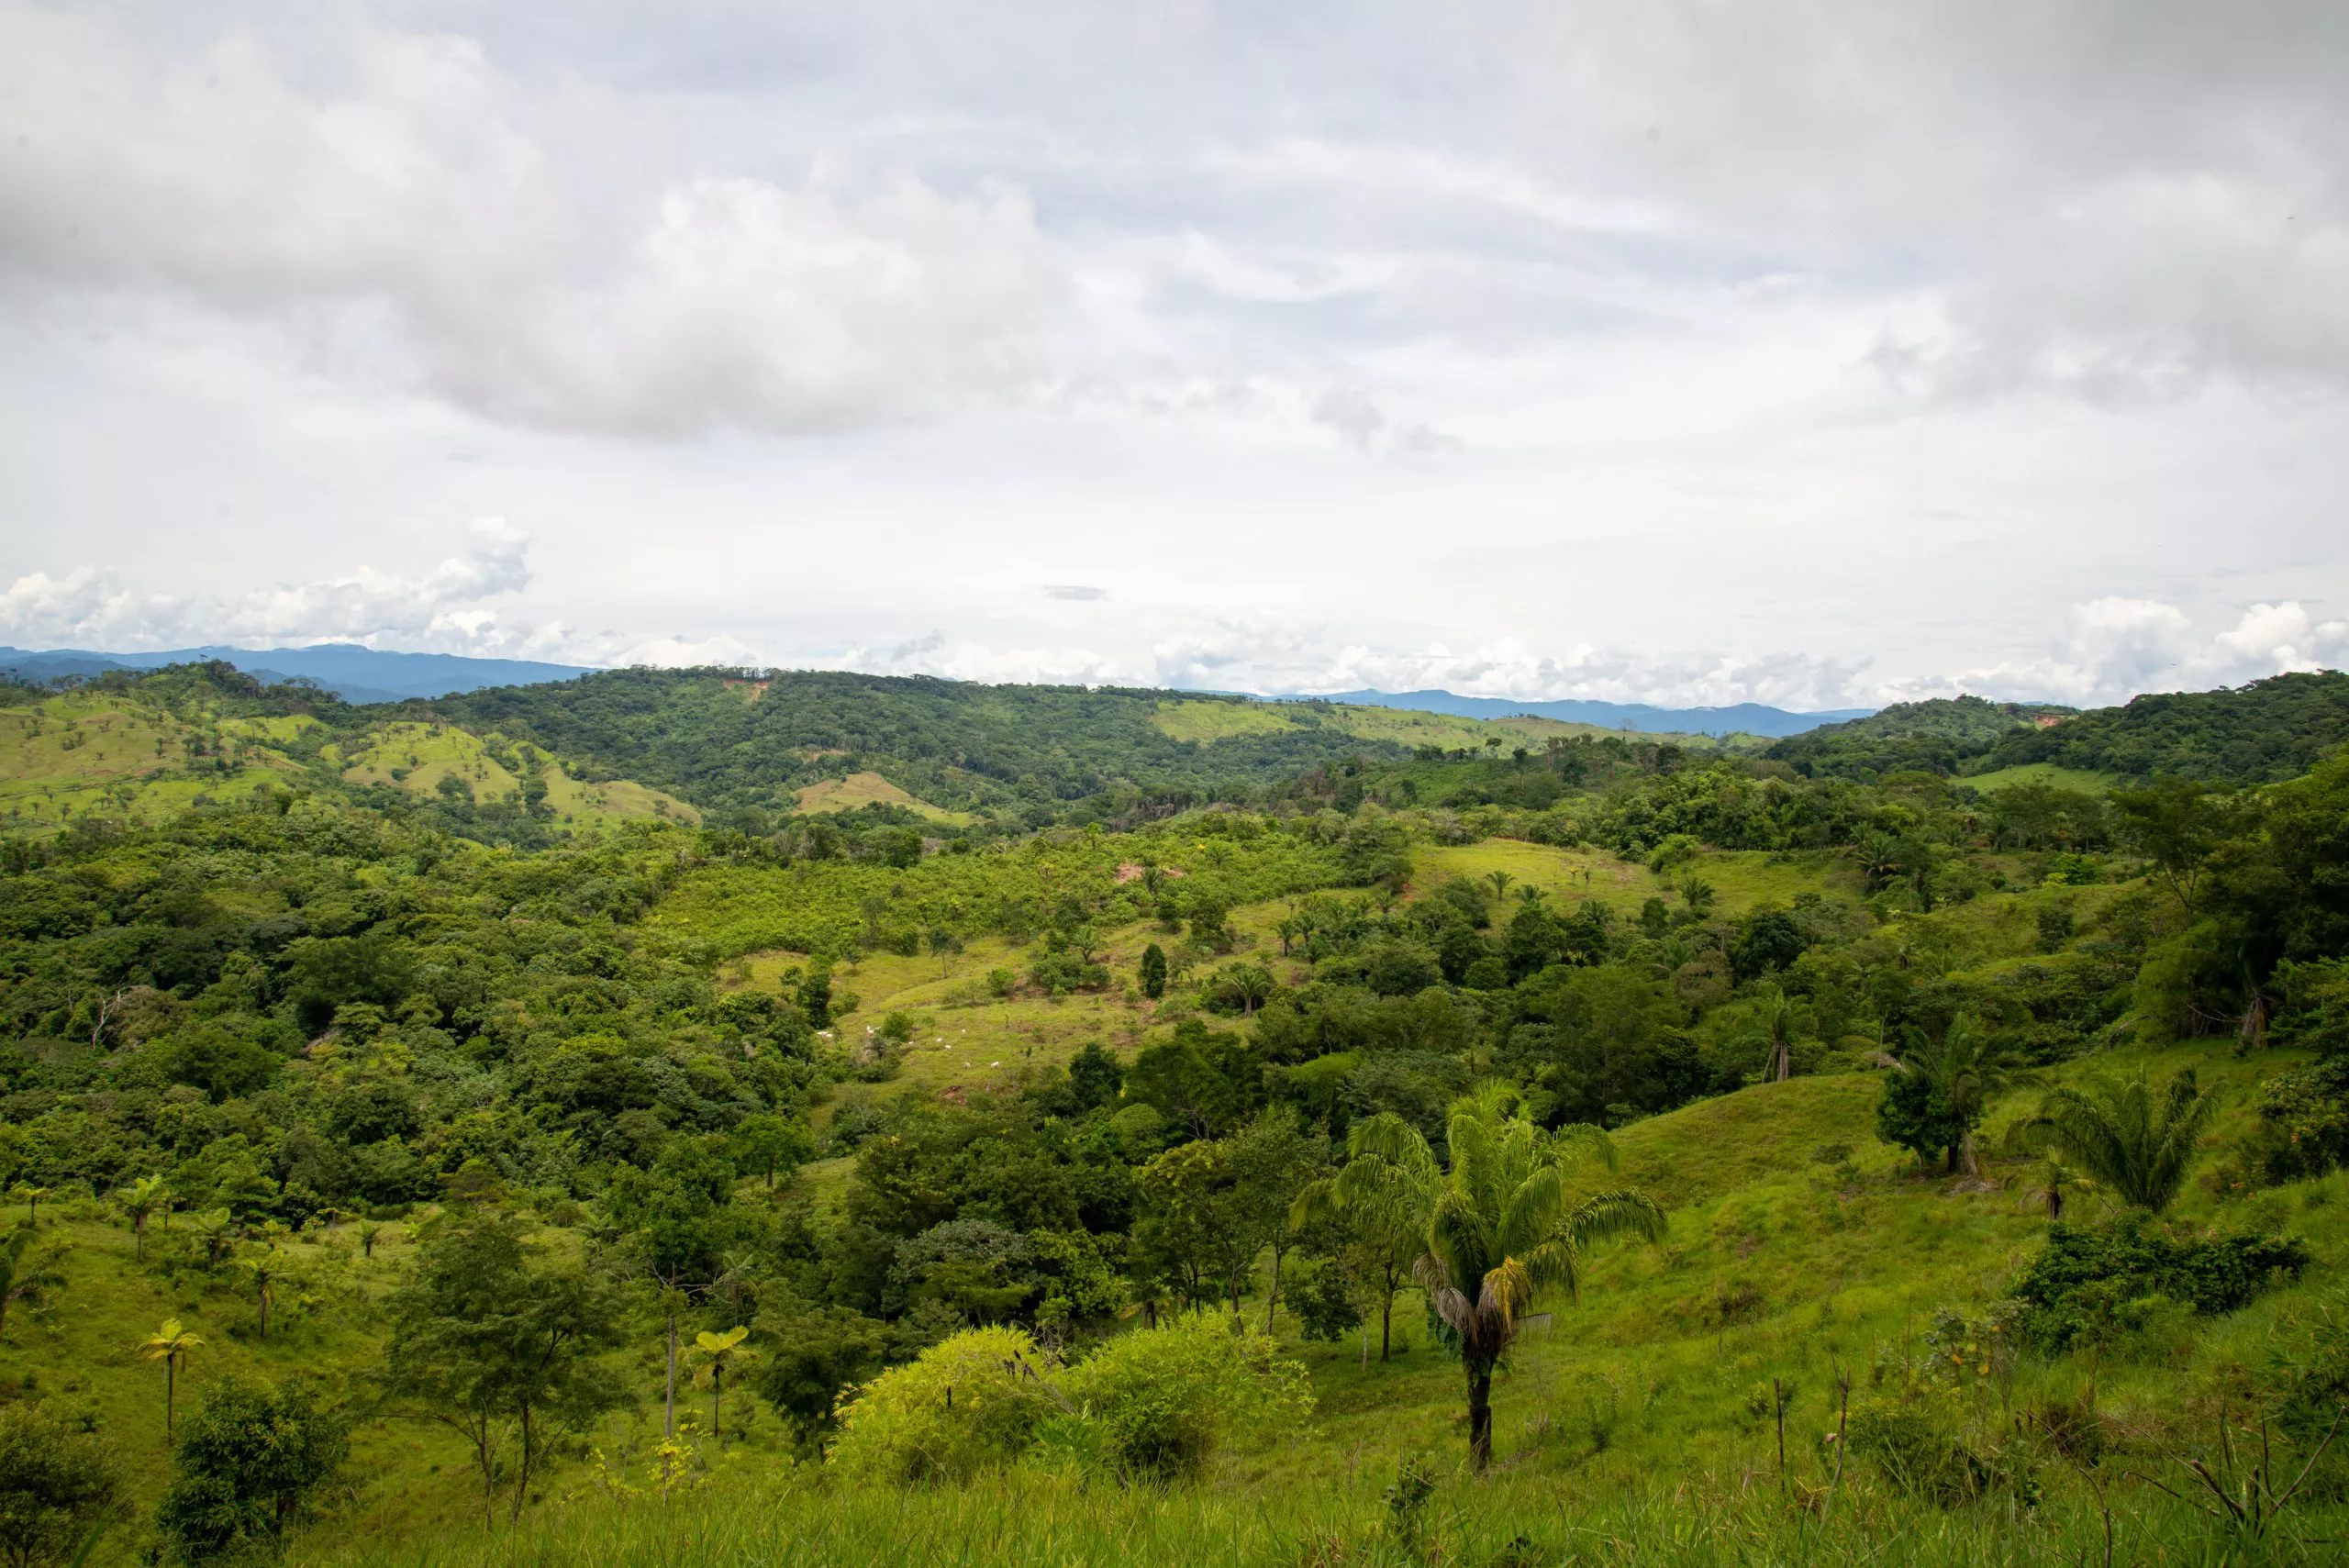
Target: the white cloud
pixel 2114 648
pixel 410 226
pixel 449 608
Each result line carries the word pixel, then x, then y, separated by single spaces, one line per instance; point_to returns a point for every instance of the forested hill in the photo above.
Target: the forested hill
pixel 1930 737
pixel 723 740
pixel 2266 732
pixel 2261 733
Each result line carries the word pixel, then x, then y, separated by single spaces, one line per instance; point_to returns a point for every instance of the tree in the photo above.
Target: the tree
pixel 59 1484
pixel 1971 1069
pixel 264 1270
pixel 2177 824
pixel 1192 1222
pixel 1248 985
pixel 1153 972
pixel 1505 1225
pixel 722 1350
pixel 1950 1085
pixel 1386 1192
pixel 500 1346
pixel 1273 1162
pixel 1777 1021
pixel 31 1195
pixel 2138 1140
pixel 815 993
pixel 246 1468
pixel 139 1200
pixel 29 1271
pixel 765 1140
pixel 170 1344
pixel 1500 881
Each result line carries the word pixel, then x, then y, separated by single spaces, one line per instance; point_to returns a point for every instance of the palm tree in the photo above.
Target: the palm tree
pixel 1971 1069
pixel 25 1275
pixel 170 1344
pixel 2134 1138
pixel 265 1270
pixel 2051 1184
pixel 1500 881
pixel 1777 1021
pixel 1530 895
pixel 1504 1225
pixel 216 1227
pixel 1696 891
pixel 32 1196
pixel 139 1200
pixel 722 1350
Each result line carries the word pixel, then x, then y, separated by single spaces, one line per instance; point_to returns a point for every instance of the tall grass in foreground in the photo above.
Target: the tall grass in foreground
pixel 1023 1522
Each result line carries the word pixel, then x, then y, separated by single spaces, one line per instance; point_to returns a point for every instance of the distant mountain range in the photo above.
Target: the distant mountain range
pixel 354 673
pixel 1745 718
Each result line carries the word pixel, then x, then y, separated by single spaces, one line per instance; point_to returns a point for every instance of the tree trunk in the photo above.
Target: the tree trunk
pixel 170 1396
pixel 716 1428
pixel 1782 1061
pixel 1386 1327
pixel 1480 1418
pixel 1967 1156
pixel 1273 1297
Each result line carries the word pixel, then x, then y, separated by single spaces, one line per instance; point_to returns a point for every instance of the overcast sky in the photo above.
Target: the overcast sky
pixel 1811 354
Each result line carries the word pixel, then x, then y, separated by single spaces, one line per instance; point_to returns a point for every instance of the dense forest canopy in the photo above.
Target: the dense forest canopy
pixel 2261 733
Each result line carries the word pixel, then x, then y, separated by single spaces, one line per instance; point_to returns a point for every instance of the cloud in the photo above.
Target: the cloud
pixel 449 608
pixel 411 228
pixel 1076 590
pixel 2114 648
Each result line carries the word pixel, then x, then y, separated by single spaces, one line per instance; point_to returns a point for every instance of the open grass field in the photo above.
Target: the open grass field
pixel 1208 721
pixel 2046 774
pixel 854 790
pixel 74 754
pixel 1742 878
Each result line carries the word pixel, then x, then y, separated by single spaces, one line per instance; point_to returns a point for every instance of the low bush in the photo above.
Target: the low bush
pixel 1161 1401
pixel 2091 1284
pixel 967 1404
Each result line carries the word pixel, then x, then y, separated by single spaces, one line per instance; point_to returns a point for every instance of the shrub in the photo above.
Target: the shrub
pixel 245 1467
pixel 1161 1400
pixel 57 1482
pixel 967 1404
pixel 2095 1282
pixel 1920 1459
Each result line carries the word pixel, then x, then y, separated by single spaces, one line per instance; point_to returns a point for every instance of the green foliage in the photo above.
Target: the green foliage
pixel 1161 1401
pixel 59 1483
pixel 2089 1283
pixel 970 1404
pixel 950 742
pixel 1933 736
pixel 2270 730
pixel 2134 1139
pixel 504 1349
pixel 248 1463
pixel 1920 1458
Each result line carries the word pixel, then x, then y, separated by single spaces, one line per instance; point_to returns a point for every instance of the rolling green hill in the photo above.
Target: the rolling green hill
pixel 2268 730
pixel 957 1121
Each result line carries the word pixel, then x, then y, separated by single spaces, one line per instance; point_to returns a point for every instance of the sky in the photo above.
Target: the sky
pixel 1814 354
